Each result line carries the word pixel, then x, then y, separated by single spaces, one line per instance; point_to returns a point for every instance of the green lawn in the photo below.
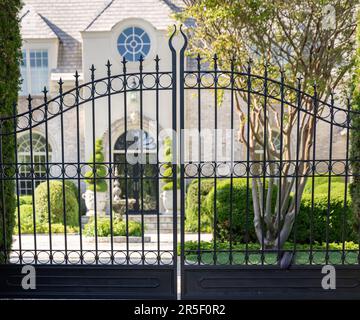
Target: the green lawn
pixel 257 257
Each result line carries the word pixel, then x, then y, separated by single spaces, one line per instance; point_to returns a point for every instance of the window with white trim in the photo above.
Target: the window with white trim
pixel 38 161
pixel 34 68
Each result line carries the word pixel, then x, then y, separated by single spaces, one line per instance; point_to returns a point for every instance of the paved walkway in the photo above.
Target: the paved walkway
pixel 135 249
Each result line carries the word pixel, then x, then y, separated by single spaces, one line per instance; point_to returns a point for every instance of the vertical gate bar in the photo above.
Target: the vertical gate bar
pixel 298 115
pixel 232 83
pixel 48 171
pixel 110 169
pixel 17 181
pixel 2 178
pixel 32 175
pixel 329 176
pixel 199 151
pixel 248 161
pixel 215 159
pixel 94 162
pixel 344 216
pixel 264 164
pixel 174 156
pixel 126 167
pixel 157 155
pixel 182 173
pixel 280 160
pixel 313 170
pixel 142 164
pixel 77 94
pixel 63 164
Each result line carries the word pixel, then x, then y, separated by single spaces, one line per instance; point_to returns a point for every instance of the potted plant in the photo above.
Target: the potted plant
pixel 167 188
pixel 95 177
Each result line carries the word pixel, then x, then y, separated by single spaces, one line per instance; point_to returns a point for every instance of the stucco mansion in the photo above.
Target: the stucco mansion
pixel 61 37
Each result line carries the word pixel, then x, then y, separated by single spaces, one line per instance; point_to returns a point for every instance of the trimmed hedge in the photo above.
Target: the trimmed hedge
pixel 56 203
pixel 303 221
pixel 119 228
pixel 239 206
pixel 9 86
pixel 192 206
pixel 42 226
pixel 319 216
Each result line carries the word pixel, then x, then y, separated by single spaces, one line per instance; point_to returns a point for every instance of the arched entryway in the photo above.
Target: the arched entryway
pixel 137 180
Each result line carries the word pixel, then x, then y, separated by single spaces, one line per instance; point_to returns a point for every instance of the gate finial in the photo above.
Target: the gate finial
pixel 171 39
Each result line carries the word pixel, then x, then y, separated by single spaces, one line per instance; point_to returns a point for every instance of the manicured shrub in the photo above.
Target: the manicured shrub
pixel 239 210
pixel 9 86
pixel 25 200
pixel 101 185
pixel 319 216
pixel 104 230
pixel 42 225
pixel 320 180
pixel 56 203
pixel 167 167
pixel 73 187
pixel 192 206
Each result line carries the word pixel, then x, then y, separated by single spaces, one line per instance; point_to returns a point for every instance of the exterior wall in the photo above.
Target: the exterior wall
pixel 92 55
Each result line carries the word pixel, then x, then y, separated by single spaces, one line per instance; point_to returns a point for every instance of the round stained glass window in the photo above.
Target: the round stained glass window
pixel 132 43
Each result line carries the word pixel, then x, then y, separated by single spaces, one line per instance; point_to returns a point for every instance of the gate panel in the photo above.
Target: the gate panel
pixel 103 141
pixel 265 178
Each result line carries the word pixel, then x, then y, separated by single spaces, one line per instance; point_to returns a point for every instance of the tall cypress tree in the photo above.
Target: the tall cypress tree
pixel 355 132
pixel 10 44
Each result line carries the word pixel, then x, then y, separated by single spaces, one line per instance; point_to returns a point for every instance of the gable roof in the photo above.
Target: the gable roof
pixel 66 19
pixel 33 26
pixel 158 13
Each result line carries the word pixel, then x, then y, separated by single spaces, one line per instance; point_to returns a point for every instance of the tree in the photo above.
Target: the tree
pixel 355 133
pixel 10 44
pixel 308 39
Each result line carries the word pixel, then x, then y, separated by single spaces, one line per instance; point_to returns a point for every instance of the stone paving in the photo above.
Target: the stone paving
pixel 152 248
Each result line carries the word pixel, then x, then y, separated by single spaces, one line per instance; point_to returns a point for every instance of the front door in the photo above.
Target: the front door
pixel 138 181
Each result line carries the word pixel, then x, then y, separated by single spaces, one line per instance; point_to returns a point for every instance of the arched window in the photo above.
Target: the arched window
pixel 132 140
pixel 132 43
pixel 38 160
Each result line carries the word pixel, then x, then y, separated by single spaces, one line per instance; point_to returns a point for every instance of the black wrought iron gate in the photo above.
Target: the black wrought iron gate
pixel 106 141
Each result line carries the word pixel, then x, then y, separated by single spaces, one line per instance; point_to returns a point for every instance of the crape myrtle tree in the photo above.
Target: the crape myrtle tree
pixel 311 40
pixel 10 43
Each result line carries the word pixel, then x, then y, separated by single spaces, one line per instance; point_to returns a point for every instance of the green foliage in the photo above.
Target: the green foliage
pixel 209 245
pixel 239 207
pixel 303 221
pixel 10 44
pixel 192 206
pixel 25 200
pixel 355 132
pixel 56 203
pixel 264 28
pixel 104 227
pixel 318 216
pixel 99 168
pixel 42 226
pixel 168 172
pixel 321 180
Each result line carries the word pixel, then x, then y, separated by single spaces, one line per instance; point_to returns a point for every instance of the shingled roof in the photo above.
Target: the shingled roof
pixel 33 26
pixel 66 19
pixel 158 13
